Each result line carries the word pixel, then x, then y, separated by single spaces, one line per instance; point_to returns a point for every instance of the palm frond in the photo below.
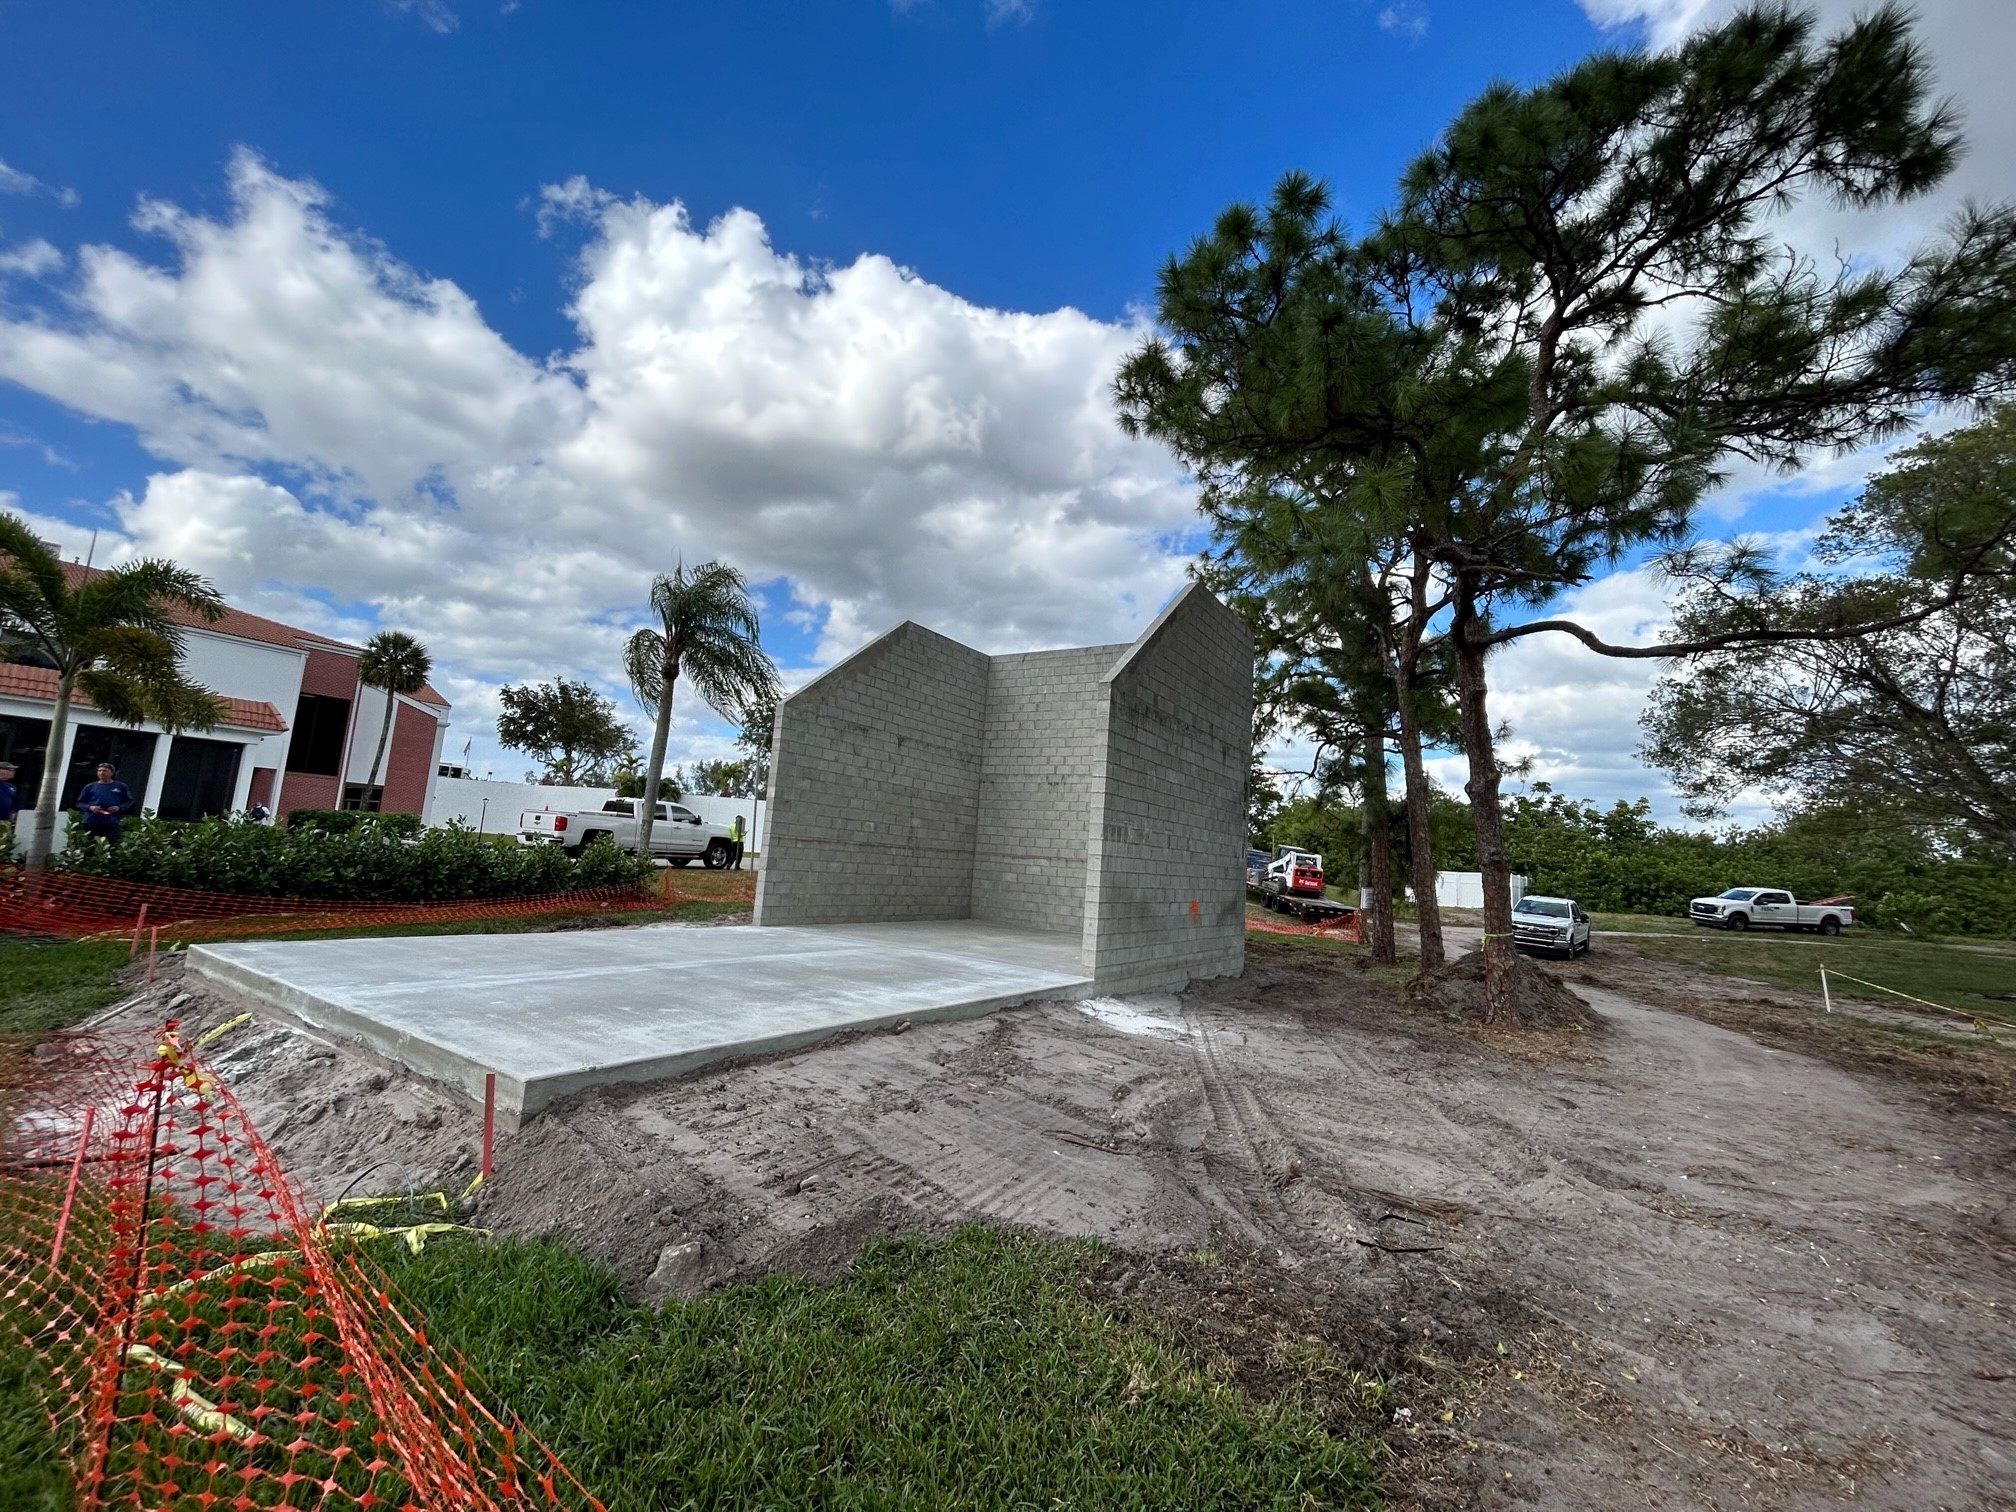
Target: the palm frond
pixel 119 696
pixel 644 665
pixel 39 568
pixel 395 662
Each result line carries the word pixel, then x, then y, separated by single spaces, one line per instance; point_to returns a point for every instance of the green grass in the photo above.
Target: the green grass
pixel 969 1372
pixel 1955 975
pixel 51 984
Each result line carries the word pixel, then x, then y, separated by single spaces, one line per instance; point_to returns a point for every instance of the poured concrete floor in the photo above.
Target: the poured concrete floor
pixel 550 1014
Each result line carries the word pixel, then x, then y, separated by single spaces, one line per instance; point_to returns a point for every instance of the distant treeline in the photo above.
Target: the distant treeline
pixel 1618 860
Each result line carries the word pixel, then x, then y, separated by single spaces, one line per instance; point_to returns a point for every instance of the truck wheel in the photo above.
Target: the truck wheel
pixel 1830 925
pixel 718 852
pixel 1739 922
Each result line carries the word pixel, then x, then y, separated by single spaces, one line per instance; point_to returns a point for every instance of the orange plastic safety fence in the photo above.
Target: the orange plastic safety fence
pixel 66 903
pixel 1349 926
pixel 197 1340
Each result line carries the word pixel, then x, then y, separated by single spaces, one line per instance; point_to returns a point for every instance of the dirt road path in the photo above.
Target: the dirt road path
pixel 1722 1275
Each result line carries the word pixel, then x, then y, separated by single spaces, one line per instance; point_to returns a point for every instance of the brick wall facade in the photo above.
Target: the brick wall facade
pixel 872 815
pixel 1099 791
pixel 409 762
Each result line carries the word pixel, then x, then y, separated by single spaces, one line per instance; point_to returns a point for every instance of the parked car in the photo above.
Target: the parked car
pixel 1770 908
pixel 678 834
pixel 1556 925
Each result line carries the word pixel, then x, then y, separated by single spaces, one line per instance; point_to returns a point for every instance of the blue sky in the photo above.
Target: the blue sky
pixel 425 313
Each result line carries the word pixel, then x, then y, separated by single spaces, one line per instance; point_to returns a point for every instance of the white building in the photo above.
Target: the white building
pixel 299 729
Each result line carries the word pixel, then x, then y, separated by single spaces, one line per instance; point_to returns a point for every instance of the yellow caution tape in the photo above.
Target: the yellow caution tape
pixel 228 1024
pixel 1980 1023
pixel 198 1409
pixel 414 1235
pixel 344 1204
pixel 189 1283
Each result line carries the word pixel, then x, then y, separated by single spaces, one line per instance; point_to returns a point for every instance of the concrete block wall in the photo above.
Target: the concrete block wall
pixel 875 790
pixel 1044 749
pixel 1170 807
pixel 1099 791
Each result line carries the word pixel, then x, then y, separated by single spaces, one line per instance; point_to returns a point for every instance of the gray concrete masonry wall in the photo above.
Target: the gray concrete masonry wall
pixel 1171 804
pixel 874 797
pixel 1044 748
pixel 1099 791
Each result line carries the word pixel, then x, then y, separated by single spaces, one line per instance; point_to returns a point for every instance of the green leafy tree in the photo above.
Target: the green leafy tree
pixel 112 637
pixel 758 737
pixel 1915 724
pixel 1575 317
pixel 397 665
pixel 707 628
pixel 572 731
pixel 733 779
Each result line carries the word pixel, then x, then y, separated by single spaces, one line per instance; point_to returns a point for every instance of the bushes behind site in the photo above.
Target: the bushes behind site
pixel 374 860
pixel 343 821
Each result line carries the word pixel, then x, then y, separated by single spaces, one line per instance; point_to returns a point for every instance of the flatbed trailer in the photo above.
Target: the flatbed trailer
pixel 1312 910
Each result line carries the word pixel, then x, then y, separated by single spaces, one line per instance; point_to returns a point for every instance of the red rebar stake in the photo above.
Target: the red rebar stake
pixel 666 877
pixel 153 943
pixel 489 1118
pixel 70 1191
pixel 138 925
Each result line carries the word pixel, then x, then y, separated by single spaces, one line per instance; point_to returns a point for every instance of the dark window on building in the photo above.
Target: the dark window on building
pixel 320 723
pixel 25 742
pixel 131 752
pixel 200 778
pixel 358 795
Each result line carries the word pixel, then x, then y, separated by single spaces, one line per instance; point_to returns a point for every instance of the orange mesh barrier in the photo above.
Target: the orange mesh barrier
pixel 197 1341
pixel 1349 926
pixel 66 903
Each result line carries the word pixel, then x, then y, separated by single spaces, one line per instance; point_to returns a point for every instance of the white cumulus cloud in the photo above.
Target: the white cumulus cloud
pixel 344 442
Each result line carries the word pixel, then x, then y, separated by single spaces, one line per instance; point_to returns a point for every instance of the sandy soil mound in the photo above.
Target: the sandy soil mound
pixel 1539 1000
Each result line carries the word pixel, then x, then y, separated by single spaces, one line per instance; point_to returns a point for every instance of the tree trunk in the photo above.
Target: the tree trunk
pixel 42 833
pixel 1420 847
pixel 661 730
pixel 378 757
pixel 1485 815
pixel 1379 849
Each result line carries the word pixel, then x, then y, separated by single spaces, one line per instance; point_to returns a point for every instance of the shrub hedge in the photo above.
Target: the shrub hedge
pixel 343 821
pixel 369 861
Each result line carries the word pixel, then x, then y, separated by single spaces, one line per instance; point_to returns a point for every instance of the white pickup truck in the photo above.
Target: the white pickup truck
pixel 678 834
pixel 1770 908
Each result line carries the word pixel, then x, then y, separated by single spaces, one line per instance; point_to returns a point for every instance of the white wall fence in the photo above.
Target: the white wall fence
pixel 1466 889
pixel 493 807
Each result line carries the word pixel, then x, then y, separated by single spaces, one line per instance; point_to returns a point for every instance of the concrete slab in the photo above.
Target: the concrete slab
pixel 553 1013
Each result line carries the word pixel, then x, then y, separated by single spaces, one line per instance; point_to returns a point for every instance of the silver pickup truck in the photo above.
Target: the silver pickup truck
pixel 678 835
pixel 1771 908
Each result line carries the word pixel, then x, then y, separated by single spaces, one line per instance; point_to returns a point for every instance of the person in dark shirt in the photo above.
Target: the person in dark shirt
pixel 10 801
pixel 101 804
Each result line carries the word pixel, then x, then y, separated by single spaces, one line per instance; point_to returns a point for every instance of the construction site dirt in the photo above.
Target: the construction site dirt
pixel 1675 1263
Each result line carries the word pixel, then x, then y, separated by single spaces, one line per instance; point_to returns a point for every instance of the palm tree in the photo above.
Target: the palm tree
pixel 112 637
pixel 708 630
pixel 394 663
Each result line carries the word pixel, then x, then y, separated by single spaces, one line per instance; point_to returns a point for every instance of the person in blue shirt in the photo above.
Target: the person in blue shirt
pixel 10 801
pixel 101 804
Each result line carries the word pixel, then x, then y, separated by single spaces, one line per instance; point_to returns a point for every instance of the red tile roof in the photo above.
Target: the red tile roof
pixel 39 683
pixel 239 625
